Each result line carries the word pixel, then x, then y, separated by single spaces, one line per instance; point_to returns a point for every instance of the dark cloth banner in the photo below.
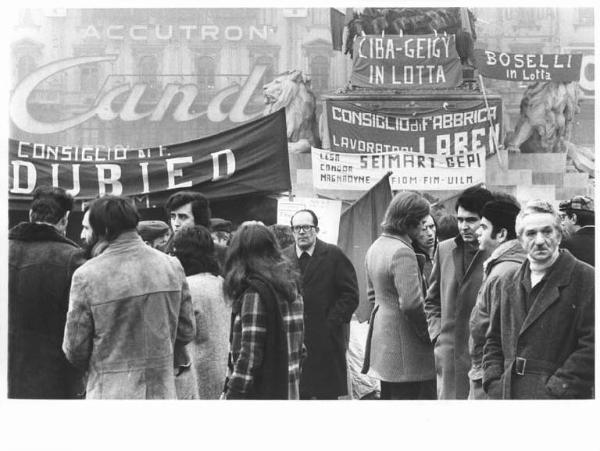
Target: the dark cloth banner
pixel 528 66
pixel 337 21
pixel 359 227
pixel 443 129
pixel 406 62
pixel 252 158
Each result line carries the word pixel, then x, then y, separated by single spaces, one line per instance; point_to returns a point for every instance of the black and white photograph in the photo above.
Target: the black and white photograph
pixel 346 226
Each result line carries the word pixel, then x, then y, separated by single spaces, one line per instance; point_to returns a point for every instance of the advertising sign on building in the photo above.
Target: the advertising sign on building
pixel 528 66
pixel 352 171
pixel 448 128
pixel 406 62
pixel 248 159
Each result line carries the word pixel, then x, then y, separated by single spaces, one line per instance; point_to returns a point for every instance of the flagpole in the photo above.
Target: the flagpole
pixel 502 161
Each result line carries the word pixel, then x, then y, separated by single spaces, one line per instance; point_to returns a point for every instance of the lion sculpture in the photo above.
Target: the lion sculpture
pixel 291 90
pixel 546 119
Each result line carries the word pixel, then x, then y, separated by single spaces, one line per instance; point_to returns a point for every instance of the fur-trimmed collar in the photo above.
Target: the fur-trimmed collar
pixel 31 231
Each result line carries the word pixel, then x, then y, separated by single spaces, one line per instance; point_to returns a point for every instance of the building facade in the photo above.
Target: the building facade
pixel 542 30
pixel 144 77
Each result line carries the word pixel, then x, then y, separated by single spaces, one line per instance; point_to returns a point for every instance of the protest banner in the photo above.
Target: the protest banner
pixel 351 171
pixel 406 62
pixel 328 212
pixel 528 66
pixel 447 128
pixel 252 158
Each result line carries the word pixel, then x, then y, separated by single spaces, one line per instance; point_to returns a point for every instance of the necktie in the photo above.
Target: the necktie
pixel 303 261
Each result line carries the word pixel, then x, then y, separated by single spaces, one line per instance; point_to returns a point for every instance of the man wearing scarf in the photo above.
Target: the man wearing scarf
pixel 540 344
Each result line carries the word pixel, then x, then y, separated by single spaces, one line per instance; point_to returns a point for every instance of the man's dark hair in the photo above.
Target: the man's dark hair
pixel 50 204
pixel 446 227
pixel 502 214
pixel 200 206
pixel 473 199
pixel 112 215
pixel 584 218
pixel 306 210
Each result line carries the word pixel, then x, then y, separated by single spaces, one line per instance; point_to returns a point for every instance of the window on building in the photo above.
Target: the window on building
pixel 25 66
pixel 526 17
pixel 148 70
pixel 269 74
pixel 319 73
pixel 205 68
pixel 89 78
pixel 586 16
pixel 205 71
pixel 320 16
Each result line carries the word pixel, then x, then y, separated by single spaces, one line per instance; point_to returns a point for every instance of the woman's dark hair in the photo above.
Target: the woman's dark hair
pixel 284 235
pixel 405 210
pixel 195 249
pixel 112 215
pixel 254 251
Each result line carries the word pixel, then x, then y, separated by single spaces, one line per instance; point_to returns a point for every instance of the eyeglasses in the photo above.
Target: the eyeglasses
pixel 304 228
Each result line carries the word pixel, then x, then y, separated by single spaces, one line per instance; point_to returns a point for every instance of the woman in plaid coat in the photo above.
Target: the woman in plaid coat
pixel 267 327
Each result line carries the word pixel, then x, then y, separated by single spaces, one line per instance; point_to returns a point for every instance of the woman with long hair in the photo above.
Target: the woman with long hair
pixel 194 247
pixel 267 327
pixel 398 350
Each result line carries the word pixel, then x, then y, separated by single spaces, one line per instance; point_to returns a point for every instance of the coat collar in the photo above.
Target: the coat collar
pixel 457 254
pixel 311 266
pixel 508 251
pixel 124 242
pixel 32 231
pixel 406 241
pixel 559 275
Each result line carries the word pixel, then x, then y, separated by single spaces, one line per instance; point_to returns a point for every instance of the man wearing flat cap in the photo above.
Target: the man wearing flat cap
pixel 221 231
pixel 155 233
pixel 496 234
pixel 577 216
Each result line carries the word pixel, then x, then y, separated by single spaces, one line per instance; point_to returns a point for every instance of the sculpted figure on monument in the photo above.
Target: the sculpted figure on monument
pixel 547 113
pixel 291 90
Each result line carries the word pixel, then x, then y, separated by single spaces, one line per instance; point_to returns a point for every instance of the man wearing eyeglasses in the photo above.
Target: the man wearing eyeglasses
pixel 330 293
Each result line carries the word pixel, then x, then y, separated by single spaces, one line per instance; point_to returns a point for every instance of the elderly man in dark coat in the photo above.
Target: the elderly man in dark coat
pixel 330 292
pixel 540 343
pixel 41 263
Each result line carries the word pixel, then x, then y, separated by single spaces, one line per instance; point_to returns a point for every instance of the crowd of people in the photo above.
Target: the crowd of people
pixel 495 301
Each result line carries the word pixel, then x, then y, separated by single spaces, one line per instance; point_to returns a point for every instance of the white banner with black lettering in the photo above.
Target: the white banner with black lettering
pixel 410 170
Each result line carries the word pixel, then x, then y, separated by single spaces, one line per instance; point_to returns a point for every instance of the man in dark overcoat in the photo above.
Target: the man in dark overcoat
pixel 330 293
pixel 578 221
pixel 540 343
pixel 41 263
pixel 453 286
